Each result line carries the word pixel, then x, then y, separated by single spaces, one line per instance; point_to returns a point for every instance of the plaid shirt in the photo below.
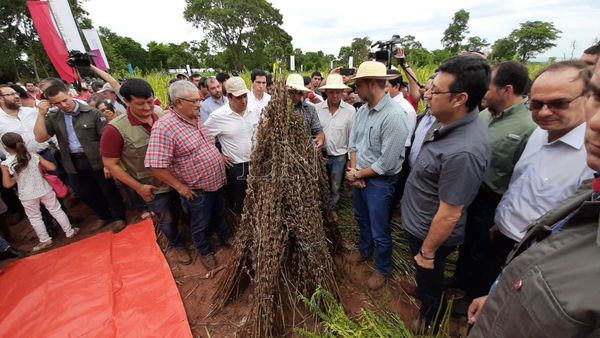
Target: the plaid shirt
pixel 188 151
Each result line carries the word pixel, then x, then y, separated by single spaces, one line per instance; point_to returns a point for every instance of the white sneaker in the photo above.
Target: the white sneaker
pixel 75 231
pixel 42 246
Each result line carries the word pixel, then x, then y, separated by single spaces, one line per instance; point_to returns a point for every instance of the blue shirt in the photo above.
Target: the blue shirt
pixel 74 145
pixel 378 137
pixel 420 133
pixel 209 105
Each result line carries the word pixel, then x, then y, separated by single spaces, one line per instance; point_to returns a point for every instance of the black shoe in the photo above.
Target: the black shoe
pixel 12 253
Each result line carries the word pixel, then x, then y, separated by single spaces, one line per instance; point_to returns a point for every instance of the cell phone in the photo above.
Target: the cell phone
pixel 347 71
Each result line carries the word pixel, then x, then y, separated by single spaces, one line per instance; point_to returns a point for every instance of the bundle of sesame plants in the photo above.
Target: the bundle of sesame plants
pixel 284 243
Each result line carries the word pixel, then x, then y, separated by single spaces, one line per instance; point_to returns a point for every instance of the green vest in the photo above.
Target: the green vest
pixel 135 144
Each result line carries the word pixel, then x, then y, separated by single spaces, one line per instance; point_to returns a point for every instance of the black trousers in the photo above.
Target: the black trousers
pixel 96 191
pixel 236 186
pixel 477 268
pixel 430 283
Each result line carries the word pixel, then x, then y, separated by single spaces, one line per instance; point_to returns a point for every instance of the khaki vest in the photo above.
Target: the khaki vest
pixel 135 144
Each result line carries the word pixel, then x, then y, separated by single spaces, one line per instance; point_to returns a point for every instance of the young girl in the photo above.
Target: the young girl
pixel 22 168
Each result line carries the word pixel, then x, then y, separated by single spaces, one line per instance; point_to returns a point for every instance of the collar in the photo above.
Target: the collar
pixel 136 122
pixel 516 108
pixel 3 113
pixel 343 104
pixel 183 119
pixel 573 138
pixel 75 111
pixel 221 101
pixel 469 118
pixel 382 103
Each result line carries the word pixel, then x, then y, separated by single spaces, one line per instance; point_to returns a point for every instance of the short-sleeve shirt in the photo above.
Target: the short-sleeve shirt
pixel 111 142
pixel 449 168
pixel 311 119
pixel 188 151
pixel 30 182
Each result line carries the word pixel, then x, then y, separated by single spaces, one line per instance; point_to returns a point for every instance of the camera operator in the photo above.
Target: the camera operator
pixel 414 95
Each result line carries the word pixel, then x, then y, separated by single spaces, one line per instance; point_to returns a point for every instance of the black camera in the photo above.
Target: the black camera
pixel 386 50
pixel 79 59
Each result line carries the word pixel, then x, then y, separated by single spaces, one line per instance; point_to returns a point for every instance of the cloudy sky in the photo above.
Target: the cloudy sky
pixel 327 25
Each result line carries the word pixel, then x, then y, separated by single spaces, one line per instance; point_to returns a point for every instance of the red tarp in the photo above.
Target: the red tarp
pixel 51 40
pixel 109 285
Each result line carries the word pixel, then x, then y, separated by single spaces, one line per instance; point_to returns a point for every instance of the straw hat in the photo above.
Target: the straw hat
pixel 334 81
pixel 236 86
pixel 373 70
pixel 296 82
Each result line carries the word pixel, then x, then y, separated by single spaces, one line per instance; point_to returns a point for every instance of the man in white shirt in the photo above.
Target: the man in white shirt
pixel 258 98
pixel 337 118
pixel 553 164
pixel 392 87
pixel 234 125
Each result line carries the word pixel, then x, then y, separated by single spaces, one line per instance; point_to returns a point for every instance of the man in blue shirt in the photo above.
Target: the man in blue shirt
pixel 376 153
pixel 214 101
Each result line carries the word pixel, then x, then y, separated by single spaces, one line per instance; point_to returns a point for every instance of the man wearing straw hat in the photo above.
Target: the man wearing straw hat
pixel 376 151
pixel 296 89
pixel 336 118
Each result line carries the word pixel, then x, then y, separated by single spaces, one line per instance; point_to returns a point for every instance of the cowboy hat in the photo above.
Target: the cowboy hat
pixel 296 82
pixel 334 81
pixel 373 70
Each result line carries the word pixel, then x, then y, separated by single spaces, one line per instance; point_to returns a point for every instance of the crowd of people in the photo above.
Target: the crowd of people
pixel 497 166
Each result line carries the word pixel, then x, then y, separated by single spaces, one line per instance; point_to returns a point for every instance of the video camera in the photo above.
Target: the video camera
pixel 78 59
pixel 386 50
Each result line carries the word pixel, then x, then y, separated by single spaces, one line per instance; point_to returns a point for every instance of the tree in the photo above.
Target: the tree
pixel 476 43
pixel 358 49
pixel 456 31
pixel 128 49
pixel 232 24
pixel 534 37
pixel 504 49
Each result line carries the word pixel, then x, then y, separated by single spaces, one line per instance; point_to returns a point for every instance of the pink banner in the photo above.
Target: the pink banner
pixel 51 40
pixel 98 60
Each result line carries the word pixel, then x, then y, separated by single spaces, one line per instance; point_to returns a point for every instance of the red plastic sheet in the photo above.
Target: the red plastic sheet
pixel 109 285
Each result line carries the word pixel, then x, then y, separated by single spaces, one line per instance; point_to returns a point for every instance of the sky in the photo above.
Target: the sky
pixel 328 25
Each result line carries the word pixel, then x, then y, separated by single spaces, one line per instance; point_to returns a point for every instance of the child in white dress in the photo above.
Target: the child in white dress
pixel 23 169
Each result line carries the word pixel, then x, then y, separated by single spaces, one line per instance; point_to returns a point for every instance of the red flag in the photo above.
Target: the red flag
pixel 51 40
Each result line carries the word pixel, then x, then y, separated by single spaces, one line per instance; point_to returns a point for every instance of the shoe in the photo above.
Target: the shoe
pixel 209 261
pixel 75 231
pixel 101 223
pixel 42 246
pixel 376 281
pixel 356 257
pixel 179 254
pixel 11 253
pixel 118 226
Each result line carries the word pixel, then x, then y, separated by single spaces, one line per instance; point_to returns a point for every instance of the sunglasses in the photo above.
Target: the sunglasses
pixel 555 105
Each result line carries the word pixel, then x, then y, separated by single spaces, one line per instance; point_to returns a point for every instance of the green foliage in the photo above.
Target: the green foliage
pixel 504 49
pixel 241 27
pixel 476 43
pixel 122 50
pixel 456 31
pixel 358 49
pixel 534 37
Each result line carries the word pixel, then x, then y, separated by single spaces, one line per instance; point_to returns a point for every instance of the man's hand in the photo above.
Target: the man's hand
pixel 494 231
pixel 227 160
pixel 475 308
pixel 350 174
pixel 146 192
pixel 186 192
pixel 424 263
pixel 107 173
pixel 43 107
pixel 318 144
pixel 359 183
pixel 399 53
pixel 335 70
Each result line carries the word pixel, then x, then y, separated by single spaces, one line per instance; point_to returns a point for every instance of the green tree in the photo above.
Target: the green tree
pixel 232 24
pixel 127 49
pixel 456 31
pixel 358 49
pixel 266 47
pixel 476 43
pixel 503 49
pixel 534 37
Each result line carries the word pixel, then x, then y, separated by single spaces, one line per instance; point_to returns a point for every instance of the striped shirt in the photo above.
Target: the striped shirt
pixel 188 151
pixel 378 137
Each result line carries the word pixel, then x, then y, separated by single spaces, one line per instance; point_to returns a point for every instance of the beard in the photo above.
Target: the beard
pixel 12 105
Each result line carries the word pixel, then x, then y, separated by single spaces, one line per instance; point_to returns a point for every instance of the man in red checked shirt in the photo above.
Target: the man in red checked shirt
pixel 182 154
pixel 123 147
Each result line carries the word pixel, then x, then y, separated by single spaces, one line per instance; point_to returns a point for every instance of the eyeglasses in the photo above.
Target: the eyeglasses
pixel 554 105
pixel 10 94
pixel 199 101
pixel 439 93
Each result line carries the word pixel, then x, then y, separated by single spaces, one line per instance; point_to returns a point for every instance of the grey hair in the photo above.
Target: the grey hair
pixel 179 88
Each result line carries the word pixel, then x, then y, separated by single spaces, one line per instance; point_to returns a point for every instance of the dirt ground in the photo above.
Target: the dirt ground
pixel 196 284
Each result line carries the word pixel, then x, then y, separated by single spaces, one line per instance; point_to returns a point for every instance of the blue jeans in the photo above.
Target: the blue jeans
pixel 336 166
pixel 3 244
pixel 166 207
pixel 207 212
pixel 371 211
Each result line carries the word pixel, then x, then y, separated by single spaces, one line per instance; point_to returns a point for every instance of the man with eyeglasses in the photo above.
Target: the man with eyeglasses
pixel 123 148
pixel 446 175
pixel 234 125
pixel 553 163
pixel 182 154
